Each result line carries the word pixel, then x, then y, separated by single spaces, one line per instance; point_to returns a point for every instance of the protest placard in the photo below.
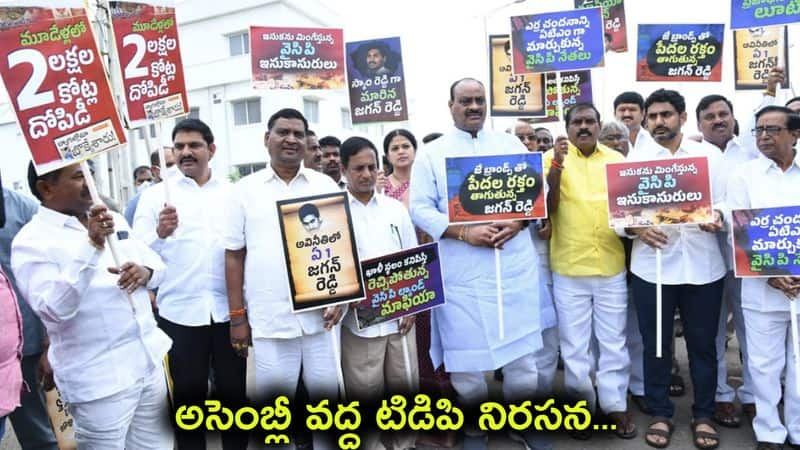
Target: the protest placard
pixel 377 85
pixel 551 42
pixel 495 187
pixel 766 242
pixel 680 53
pixel 673 191
pixel 320 252
pixel 576 87
pixel 755 52
pixel 616 33
pixel 54 75
pixel 513 95
pixel 148 60
pixel 297 58
pixel 760 13
pixel 400 284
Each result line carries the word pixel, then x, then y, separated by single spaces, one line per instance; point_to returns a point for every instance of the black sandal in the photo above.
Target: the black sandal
pixel 623 421
pixel 696 434
pixel 666 434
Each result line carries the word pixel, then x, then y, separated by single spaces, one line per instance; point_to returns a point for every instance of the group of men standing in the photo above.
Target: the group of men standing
pixel 212 253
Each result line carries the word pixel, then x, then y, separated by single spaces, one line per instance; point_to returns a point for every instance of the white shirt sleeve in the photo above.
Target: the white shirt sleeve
pixel 424 198
pixel 145 221
pixel 234 238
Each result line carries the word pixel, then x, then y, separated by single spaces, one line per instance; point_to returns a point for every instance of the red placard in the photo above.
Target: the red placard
pixel 146 37
pixel 297 58
pixel 54 76
pixel 673 191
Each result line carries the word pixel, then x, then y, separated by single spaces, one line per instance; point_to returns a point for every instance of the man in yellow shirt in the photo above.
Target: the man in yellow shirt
pixel 588 264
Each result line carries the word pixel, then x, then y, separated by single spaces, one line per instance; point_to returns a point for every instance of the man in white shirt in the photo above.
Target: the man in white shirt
pixel 192 301
pixel 715 120
pixel 372 359
pixel 105 348
pixel 692 276
pixel 629 108
pixel 771 181
pixel 283 341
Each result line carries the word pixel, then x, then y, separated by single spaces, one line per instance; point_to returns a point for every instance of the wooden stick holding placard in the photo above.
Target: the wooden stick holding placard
pixel 659 308
pixel 795 343
pixel 407 360
pixel 498 278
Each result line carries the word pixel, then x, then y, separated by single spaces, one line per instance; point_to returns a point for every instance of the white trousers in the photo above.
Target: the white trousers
pixel 547 361
pixel 732 303
pixel 769 338
pixel 137 418
pixel 635 350
pixel 520 378
pixel 596 306
pixel 278 363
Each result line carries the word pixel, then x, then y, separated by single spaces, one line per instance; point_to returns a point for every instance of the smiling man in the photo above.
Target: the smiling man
pixel 588 264
pixel 192 302
pixel 465 334
pixel 629 108
pixel 716 121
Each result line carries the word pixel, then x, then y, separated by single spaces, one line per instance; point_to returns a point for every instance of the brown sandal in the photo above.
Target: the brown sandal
pixel 696 434
pixel 725 415
pixel 666 434
pixel 625 428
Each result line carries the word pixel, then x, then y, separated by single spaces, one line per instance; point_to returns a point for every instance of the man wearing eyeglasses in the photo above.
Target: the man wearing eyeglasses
pixel 771 181
pixel 715 120
pixel 192 300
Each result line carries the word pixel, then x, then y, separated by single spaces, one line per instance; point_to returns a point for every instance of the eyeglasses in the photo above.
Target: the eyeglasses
pixel 772 130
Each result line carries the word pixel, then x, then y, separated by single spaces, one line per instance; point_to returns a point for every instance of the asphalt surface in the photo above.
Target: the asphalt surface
pixel 733 439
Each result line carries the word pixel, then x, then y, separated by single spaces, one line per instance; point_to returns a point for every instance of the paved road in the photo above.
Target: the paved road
pixel 732 439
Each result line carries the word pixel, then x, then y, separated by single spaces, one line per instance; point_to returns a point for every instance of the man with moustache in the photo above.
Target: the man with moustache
pixel 192 301
pixel 629 108
pixel 692 280
pixel 105 348
pixel 313 158
pixel 464 331
pixel 331 162
pixel 715 120
pixel 256 276
pixel 771 181
pixel 589 288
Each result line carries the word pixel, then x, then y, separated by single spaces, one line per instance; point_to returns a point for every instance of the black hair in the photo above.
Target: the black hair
pixel 398 132
pixel 792 118
pixel 706 101
pixel 538 129
pixel 579 106
pixel 667 96
pixel 330 141
pixel 430 137
pixel 792 100
pixel 631 97
pixel 457 82
pixel 194 125
pixel 50 177
pixel 353 145
pixel 308 209
pixel 138 170
pixel 310 132
pixel 154 159
pixel 287 113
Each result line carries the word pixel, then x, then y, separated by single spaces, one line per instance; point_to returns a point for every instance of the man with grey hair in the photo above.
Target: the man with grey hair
pixel 614 134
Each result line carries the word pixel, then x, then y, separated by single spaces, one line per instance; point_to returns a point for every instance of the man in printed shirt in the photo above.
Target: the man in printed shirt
pixel 465 334
pixel 692 279
pixel 192 301
pixel 588 264
pixel 372 359
pixel 715 121
pixel 772 180
pixel 106 350
pixel 257 285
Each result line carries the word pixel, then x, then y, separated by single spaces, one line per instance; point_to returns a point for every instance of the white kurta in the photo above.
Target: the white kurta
pixel 464 332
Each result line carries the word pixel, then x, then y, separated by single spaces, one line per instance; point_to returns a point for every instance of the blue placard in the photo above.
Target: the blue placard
pixel 766 241
pixel 551 42
pixel 762 13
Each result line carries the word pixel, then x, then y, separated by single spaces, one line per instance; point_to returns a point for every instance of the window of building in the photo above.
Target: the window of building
pixel 239 43
pixel 194 113
pixel 152 131
pixel 247 169
pixel 311 109
pixel 247 111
